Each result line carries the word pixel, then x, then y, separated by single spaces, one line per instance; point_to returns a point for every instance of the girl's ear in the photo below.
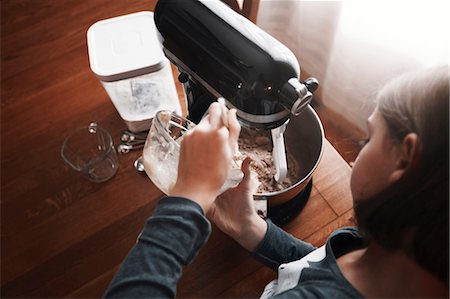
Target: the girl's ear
pixel 408 156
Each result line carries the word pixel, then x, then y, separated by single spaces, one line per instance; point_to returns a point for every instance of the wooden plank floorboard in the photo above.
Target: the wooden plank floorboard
pixel 96 287
pixel 72 268
pixel 332 179
pixel 62 236
pixel 49 239
pixel 319 237
pixel 316 213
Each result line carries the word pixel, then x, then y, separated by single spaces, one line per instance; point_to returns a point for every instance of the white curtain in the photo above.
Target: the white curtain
pixel 354 47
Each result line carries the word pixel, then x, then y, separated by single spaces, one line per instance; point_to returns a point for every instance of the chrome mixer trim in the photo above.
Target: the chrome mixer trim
pixel 257 119
pixel 304 96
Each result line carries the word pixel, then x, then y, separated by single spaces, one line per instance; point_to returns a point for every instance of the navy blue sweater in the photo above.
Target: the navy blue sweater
pixel 178 229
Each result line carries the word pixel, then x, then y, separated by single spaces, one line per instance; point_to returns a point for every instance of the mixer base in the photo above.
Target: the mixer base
pixel 287 211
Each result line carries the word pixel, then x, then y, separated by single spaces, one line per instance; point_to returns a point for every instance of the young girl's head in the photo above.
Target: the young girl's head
pixel 400 180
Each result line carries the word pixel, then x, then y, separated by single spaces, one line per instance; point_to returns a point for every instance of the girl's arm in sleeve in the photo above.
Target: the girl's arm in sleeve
pixel 170 240
pixel 278 247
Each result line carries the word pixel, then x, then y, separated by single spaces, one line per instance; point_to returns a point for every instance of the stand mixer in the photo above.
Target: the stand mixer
pixel 221 54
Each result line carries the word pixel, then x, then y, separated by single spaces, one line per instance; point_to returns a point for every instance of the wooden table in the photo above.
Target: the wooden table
pixel 63 236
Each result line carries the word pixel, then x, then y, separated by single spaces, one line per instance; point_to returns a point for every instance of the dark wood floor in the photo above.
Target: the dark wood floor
pixel 43 62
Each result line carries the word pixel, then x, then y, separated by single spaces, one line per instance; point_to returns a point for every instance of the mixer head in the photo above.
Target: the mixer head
pixel 222 54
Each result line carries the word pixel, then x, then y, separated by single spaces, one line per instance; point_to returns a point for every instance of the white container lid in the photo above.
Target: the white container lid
pixel 124 47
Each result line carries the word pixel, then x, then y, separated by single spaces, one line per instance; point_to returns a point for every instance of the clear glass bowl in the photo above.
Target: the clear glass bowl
pixel 162 151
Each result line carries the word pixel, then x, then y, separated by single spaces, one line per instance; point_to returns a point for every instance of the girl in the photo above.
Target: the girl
pixel 400 190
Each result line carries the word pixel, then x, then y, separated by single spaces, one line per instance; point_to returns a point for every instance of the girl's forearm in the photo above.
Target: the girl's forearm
pixel 252 234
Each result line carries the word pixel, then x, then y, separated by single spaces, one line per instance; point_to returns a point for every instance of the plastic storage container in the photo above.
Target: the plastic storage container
pixel 126 56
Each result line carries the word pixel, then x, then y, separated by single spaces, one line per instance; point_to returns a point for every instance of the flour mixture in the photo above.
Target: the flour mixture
pixel 258 146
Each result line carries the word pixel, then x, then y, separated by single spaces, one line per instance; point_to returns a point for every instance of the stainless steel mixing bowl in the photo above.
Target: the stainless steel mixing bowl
pixel 304 140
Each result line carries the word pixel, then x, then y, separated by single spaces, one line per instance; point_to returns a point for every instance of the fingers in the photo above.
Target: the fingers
pixel 215 118
pixel 245 167
pixel 233 126
pixel 214 122
pixel 214 115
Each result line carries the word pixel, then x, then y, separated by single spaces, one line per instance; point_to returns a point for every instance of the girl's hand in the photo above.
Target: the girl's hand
pixel 205 157
pixel 234 213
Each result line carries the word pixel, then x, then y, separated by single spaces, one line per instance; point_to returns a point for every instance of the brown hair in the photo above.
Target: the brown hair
pixel 413 214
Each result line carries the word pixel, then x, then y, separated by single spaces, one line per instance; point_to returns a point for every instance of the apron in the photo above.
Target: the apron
pixel 289 273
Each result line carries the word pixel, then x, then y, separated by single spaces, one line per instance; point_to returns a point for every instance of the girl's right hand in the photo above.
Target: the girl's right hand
pixel 205 157
pixel 234 213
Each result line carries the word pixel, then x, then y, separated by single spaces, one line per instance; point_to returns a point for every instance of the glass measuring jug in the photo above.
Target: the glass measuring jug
pixel 162 151
pixel 90 151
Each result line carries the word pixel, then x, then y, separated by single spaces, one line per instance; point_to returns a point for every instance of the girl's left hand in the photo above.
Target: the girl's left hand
pixel 205 157
pixel 234 213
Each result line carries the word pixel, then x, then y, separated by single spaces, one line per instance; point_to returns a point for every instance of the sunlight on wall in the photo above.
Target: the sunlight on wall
pixel 354 47
pixel 375 41
pixel 419 29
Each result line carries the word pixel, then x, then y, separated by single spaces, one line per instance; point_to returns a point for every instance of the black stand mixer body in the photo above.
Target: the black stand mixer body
pixel 222 54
